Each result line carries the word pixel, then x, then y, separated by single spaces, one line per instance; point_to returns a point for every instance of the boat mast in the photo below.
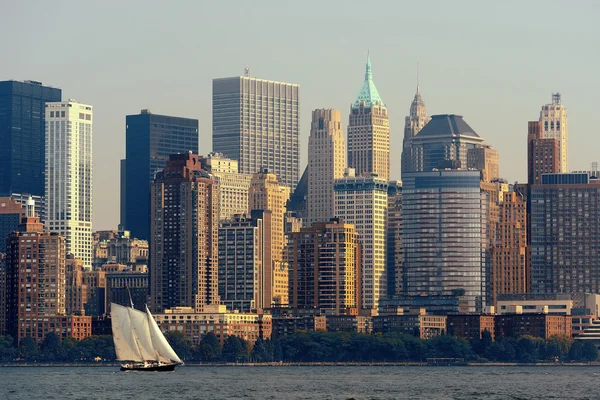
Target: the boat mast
pixel 129 293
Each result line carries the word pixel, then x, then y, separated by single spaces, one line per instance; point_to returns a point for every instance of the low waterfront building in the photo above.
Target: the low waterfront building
pixel 350 323
pixel 418 324
pixel 436 304
pixel 528 303
pixel 217 320
pixel 536 325
pixel 470 326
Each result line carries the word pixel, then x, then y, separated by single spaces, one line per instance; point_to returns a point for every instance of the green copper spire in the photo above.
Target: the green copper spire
pixel 368 93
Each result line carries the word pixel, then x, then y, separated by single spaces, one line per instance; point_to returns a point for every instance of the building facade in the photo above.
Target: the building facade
pixel 565 234
pixel 69 175
pixel 323 266
pixel 268 195
pixel 413 124
pixel 245 261
pixel 35 278
pixel 149 141
pixel 122 284
pixel 327 162
pixel 445 138
pixel 11 213
pixel 22 134
pixel 395 250
pixel 485 159
pixel 444 235
pixel 553 118
pixel 234 186
pixel 256 122
pixel 118 247
pixel 543 155
pixel 362 201
pixel 369 131
pixel 184 236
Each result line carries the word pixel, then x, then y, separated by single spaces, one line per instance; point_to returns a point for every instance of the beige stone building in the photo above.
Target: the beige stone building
pixel 369 131
pixel 267 194
pixel 553 118
pixel 485 159
pixel 362 201
pixel 326 163
pixel 233 185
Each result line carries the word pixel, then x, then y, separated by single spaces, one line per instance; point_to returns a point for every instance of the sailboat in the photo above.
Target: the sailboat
pixel 139 343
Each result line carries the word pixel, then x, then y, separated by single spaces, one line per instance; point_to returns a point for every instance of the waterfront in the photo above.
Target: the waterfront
pixel 308 383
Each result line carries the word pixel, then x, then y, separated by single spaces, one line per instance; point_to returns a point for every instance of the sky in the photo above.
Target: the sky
pixel 493 62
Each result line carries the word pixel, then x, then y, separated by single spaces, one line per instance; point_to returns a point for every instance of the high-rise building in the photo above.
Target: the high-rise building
pixel 244 261
pixel 149 141
pixel 11 213
pixel 543 155
pixel 323 268
pixel 369 131
pixel 395 251
pixel 298 199
pixel 184 236
pixel 362 201
pixel 554 126
pixel 565 234
pixel 485 159
pixel 268 195
pixel 22 133
pixel 326 163
pixel 508 254
pixel 445 138
pixel 444 221
pixel 69 176
pixel 233 185
pixel 256 122
pixel 35 277
pixel 413 124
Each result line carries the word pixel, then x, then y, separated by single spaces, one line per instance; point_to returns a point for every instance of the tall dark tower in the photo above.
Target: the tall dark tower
pixel 22 136
pixel 150 140
pixel 413 123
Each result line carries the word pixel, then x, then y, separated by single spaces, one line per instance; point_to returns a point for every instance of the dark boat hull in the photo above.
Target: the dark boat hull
pixel 167 367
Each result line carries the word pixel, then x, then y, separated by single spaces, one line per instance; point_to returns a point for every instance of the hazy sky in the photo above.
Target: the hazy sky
pixel 494 62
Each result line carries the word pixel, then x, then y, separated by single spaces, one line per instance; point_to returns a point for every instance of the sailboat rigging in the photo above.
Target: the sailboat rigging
pixel 139 342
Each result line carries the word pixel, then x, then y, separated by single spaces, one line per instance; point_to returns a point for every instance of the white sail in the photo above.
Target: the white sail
pixel 123 336
pixel 141 331
pixel 163 348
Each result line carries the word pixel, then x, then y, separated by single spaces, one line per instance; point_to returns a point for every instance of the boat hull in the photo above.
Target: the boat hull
pixel 149 368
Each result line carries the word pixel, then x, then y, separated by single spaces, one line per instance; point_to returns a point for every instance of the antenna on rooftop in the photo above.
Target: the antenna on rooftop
pixel 556 98
pixel 595 167
pixel 247 72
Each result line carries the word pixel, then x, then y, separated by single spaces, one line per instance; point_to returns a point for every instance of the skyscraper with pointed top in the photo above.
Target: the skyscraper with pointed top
pixel 369 131
pixel 413 123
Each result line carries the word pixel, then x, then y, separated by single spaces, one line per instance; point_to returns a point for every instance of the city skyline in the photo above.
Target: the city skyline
pixel 501 76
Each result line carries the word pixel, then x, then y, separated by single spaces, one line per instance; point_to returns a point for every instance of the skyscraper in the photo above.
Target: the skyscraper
pixel 444 235
pixel 369 131
pixel 22 133
pixel 149 141
pixel 184 226
pixel 362 202
pixel 244 259
pixel 268 195
pixel 485 159
pixel 445 138
pixel 395 250
pixel 413 124
pixel 69 176
pixel 256 122
pixel 11 213
pixel 326 163
pixel 554 126
pixel 565 234
pixel 543 155
pixel 323 267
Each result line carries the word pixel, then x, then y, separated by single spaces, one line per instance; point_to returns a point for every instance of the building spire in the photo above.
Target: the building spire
pixel 368 73
pixel 417 77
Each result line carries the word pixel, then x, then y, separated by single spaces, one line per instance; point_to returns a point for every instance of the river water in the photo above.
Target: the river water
pixel 308 383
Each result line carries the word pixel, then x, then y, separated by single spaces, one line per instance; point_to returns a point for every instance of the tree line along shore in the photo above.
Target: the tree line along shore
pixel 315 347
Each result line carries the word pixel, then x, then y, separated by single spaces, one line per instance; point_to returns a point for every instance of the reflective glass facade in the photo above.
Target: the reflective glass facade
pixel 445 235
pixel 22 135
pixel 150 140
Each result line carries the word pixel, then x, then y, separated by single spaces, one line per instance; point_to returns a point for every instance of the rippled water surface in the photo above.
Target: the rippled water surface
pixel 302 383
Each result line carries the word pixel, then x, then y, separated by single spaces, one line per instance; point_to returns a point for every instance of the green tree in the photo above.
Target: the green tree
pixel 51 349
pixel 576 351
pixel 28 349
pixel 8 351
pixel 180 344
pixel 589 352
pixel 235 349
pixel 210 348
pixel 262 351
